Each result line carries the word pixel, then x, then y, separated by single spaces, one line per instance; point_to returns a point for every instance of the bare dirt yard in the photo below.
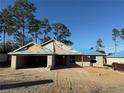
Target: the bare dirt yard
pixel 67 80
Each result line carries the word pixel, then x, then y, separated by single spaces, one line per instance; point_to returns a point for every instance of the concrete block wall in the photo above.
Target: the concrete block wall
pixel 117 60
pixel 100 61
pixel 50 61
pixel 86 61
pixel 79 61
pixel 86 64
pixel 13 62
pixel 18 62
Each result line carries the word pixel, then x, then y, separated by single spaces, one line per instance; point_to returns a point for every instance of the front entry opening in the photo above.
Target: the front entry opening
pixel 61 60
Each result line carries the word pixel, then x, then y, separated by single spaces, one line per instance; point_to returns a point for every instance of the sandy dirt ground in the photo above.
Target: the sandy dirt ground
pixel 67 80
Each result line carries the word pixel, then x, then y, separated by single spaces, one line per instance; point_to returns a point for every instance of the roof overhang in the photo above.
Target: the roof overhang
pixel 71 54
pixel 116 57
pixel 29 54
pixel 95 54
pixel 81 54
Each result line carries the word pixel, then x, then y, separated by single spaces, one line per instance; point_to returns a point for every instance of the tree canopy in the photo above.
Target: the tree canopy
pixel 19 21
pixel 61 32
pixel 99 46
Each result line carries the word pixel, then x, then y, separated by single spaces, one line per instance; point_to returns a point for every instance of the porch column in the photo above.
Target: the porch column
pixel 82 59
pixel 13 62
pixel 50 61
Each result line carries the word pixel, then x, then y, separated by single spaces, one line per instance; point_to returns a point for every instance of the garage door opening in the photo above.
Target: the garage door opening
pixel 37 61
pixel 32 61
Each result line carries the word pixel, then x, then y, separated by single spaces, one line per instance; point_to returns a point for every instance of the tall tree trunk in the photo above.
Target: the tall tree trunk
pixel 57 36
pixel 23 42
pixel 4 41
pixel 45 36
pixel 23 33
pixel 36 37
pixel 115 46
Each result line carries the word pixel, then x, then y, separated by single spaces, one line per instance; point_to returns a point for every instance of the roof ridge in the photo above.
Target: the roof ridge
pixel 47 42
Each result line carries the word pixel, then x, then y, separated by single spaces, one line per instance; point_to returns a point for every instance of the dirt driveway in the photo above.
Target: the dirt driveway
pixel 68 80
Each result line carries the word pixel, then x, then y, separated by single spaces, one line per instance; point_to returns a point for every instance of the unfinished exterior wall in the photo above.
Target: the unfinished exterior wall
pixel 100 61
pixel 62 47
pixel 59 48
pixel 13 62
pixel 86 61
pixel 18 62
pixel 50 61
pixel 79 60
pixel 117 60
pixel 35 47
pixel 50 46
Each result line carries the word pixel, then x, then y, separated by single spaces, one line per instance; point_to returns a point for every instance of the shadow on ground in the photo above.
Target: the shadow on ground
pixel 24 84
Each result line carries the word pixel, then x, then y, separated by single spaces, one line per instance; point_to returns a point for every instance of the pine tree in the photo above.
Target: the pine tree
pixel 23 13
pixel 115 35
pixel 61 32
